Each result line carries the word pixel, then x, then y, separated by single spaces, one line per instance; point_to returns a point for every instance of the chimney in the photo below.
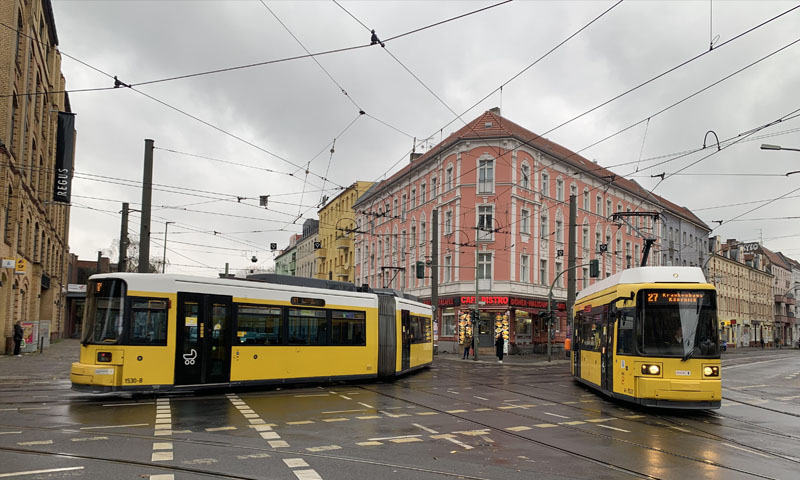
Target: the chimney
pixel 415 156
pixel 495 110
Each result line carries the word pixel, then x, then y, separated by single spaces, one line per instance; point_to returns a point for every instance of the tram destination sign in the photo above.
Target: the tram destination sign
pixel 671 297
pixel 308 302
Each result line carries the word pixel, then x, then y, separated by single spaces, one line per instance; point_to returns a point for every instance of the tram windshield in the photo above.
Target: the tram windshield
pixel 104 311
pixel 678 323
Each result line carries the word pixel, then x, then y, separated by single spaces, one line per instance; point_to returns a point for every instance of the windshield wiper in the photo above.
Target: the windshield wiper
pixel 689 355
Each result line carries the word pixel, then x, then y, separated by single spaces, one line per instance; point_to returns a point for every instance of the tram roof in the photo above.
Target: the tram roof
pixel 647 275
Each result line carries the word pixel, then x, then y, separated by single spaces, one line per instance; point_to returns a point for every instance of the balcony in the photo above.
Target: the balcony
pixel 341 271
pixel 784 299
pixel 343 243
pixel 322 252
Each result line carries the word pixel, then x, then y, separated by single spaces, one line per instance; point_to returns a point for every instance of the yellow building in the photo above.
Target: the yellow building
pixel 744 295
pixel 34 188
pixel 336 222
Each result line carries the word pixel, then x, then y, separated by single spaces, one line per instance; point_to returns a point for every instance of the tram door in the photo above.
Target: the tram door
pixel 406 338
pixel 577 337
pixel 203 350
pixel 607 350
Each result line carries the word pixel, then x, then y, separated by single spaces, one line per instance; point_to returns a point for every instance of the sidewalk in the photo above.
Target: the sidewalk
pixel 536 359
pixel 53 364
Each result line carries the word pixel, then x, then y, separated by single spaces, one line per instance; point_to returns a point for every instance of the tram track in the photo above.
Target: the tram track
pixel 574 428
pixel 707 435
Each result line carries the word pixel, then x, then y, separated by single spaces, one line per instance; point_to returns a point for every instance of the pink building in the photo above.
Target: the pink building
pixel 502 196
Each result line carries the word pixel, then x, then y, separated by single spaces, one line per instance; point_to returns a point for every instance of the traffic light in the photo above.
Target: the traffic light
pixel 474 316
pixel 420 269
pixel 594 268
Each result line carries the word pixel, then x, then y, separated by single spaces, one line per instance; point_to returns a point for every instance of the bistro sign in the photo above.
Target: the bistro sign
pixel 491 300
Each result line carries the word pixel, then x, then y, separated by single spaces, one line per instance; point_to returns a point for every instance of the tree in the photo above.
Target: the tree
pixel 132 256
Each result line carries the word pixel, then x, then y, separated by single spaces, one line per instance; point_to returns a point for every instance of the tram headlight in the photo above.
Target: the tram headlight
pixel 651 369
pixel 104 357
pixel 711 371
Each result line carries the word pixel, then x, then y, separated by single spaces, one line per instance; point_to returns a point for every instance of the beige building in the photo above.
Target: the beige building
pixel 336 224
pixel 34 188
pixel 744 293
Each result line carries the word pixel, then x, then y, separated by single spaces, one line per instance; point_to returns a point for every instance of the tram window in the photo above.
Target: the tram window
pixel 257 325
pixel 348 328
pixel 308 327
pixel 148 322
pixel 625 342
pixel 420 329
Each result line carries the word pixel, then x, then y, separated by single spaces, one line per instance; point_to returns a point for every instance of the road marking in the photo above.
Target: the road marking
pixel 35 408
pixel 344 411
pixel 555 415
pixel 368 444
pixel 748 386
pixel 117 426
pixel 518 429
pixel 395 415
pixel 295 462
pixel 634 416
pixel 576 422
pixel 36 472
pixel 127 404
pixel 312 395
pixel 278 444
pixel 429 430
pixel 369 417
pixel 392 438
pixel 161 456
pixel 451 438
pixel 794 397
pixel 35 442
pixel 615 428
pixel 304 422
pixel 406 440
pixel 162 446
pixel 480 398
pixel 473 433
pixel 219 429
pixel 9 433
pixel 253 455
pixel 324 448
pixel 200 461
pixel 270 435
pixel 427 413
pixel 365 405
pixel 261 428
pixel 329 420
pixel 747 450
pixel 456 411
pixel 598 420
pixel 88 439
pixel 482 410
pixel 257 421
pixel 345 397
pixel 163 476
pixel 160 433
pixel 680 429
pixel 545 425
pixel 508 407
pixel 306 475
pixel 570 403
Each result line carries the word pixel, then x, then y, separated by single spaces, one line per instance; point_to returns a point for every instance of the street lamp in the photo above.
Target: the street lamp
pixel 766 146
pixel 164 258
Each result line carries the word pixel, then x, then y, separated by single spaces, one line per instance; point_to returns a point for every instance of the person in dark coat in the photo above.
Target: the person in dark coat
pixel 499 343
pixel 468 343
pixel 17 338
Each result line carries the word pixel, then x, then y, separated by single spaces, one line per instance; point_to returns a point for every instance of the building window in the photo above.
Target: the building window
pixel 413 198
pixel 396 208
pixel 557 273
pixel 448 222
pixel 448 269
pixel 573 191
pixel 559 231
pixel 413 237
pixel 598 205
pixel 543 272
pixel 585 277
pixel 560 190
pixel 525 176
pixel 486 176
pixel 523 268
pixel 609 208
pixel 449 178
pixel 586 199
pixel 423 194
pixel 544 230
pixel 448 322
pixel 484 266
pixel 485 224
pixel 403 208
pixel 585 237
pixel 434 188
pixel 545 184
pixel 525 221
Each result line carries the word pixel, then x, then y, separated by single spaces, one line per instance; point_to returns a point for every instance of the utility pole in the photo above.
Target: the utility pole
pixel 550 306
pixel 147 194
pixel 122 263
pixel 477 319
pixel 99 260
pixel 571 254
pixel 164 258
pixel 435 266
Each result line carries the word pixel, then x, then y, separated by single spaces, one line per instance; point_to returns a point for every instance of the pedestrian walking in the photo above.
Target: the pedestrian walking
pixel 499 344
pixel 468 345
pixel 762 343
pixel 17 338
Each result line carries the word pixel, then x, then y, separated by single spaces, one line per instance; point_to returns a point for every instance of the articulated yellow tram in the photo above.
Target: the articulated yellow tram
pixel 145 332
pixel 649 335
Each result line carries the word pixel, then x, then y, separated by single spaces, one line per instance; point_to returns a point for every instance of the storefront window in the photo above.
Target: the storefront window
pixel 523 325
pixel 448 322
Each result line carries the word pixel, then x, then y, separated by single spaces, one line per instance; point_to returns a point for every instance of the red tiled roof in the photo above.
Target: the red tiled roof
pixel 502 127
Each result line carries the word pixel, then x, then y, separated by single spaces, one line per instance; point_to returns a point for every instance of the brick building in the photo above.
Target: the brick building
pixel 36 138
pixel 502 196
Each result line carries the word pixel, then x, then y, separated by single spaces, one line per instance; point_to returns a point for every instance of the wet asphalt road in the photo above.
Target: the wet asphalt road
pixel 458 419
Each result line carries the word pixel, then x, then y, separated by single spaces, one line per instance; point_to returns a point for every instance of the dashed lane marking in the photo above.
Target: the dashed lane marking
pixel 545 425
pixel 261 428
pixel 278 444
pixel 303 422
pixel 252 455
pixel 200 461
pixel 219 429
pixel 369 417
pixel 518 429
pixel 452 439
pixel 508 407
pixel 365 405
pixel 598 420
pixel 576 422
pixel 162 446
pixel 368 444
pixel 482 410
pixel 378 439
pixel 555 415
pixel 324 448
pixel 270 435
pixel 341 419
pixel 480 398
pixel 427 413
pixel 680 429
pixel 456 411
pixel 429 430
pixel 306 475
pixel 405 440
pixel 163 476
pixel 116 426
pixel 88 439
pixel 747 450
pixel 615 428
pixel 161 456
pixel 35 442
pixel 345 397
pixel 295 462
pixel 37 472
pixel 634 416
pixel 343 411
pixel 11 432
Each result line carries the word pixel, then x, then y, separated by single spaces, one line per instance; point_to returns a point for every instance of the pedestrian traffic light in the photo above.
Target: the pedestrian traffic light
pixel 474 316
pixel 594 268
pixel 420 269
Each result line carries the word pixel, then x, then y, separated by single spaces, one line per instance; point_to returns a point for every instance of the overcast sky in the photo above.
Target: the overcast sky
pixel 290 112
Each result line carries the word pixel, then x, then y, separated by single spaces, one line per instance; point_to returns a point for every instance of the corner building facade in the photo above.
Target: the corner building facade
pixel 502 195
pixel 33 229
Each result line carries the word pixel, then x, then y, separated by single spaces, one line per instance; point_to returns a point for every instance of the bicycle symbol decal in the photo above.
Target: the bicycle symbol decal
pixel 188 358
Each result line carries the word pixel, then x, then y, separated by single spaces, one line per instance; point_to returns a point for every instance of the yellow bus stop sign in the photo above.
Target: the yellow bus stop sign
pixel 22 265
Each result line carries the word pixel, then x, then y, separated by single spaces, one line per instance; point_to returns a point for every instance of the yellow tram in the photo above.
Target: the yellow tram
pixel 146 332
pixel 649 335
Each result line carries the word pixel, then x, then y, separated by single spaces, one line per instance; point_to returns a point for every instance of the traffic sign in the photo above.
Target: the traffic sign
pixel 21 266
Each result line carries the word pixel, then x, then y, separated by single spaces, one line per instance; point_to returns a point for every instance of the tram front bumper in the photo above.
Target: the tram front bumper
pixel 94 375
pixel 680 390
